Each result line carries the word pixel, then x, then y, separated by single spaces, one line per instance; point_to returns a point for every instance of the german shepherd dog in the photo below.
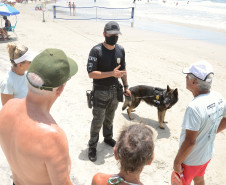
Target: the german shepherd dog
pixel 163 99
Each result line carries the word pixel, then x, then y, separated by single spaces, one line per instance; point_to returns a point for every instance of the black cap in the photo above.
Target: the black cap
pixel 112 27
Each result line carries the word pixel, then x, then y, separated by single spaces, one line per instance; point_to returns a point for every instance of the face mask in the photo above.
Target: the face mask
pixel 111 40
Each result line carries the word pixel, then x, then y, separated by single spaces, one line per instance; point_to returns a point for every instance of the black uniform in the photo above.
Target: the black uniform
pixel 105 90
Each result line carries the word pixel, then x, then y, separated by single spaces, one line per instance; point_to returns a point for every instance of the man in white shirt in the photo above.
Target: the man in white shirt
pixel 205 116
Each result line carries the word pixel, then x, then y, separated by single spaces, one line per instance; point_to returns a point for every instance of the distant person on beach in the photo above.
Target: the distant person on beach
pixel 205 116
pixel 15 84
pixel 106 63
pixel 69 5
pixel 35 147
pixel 4 31
pixel 73 6
pixel 134 149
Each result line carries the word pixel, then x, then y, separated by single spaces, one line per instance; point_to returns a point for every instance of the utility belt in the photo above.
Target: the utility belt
pixel 105 88
pixel 90 93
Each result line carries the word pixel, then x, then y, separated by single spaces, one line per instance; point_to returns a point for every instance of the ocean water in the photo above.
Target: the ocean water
pixel 193 19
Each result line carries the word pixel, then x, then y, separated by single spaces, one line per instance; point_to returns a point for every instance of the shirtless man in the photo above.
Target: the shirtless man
pixel 34 145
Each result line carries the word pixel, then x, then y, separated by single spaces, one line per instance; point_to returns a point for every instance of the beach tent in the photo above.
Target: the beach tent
pixel 7 10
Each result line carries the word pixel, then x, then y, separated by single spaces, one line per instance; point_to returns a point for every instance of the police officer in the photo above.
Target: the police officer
pixel 106 64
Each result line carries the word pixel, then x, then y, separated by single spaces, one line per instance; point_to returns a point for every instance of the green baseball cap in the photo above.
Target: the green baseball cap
pixel 54 67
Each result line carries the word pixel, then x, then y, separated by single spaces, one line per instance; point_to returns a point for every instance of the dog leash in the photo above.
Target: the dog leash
pixel 156 96
pixel 156 100
pixel 143 97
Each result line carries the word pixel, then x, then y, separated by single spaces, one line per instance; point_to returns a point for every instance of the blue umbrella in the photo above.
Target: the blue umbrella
pixel 7 10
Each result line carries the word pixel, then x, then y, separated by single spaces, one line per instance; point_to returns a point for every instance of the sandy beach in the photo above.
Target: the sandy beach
pixel 152 58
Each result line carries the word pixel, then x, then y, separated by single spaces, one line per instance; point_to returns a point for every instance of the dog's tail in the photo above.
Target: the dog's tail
pixel 127 102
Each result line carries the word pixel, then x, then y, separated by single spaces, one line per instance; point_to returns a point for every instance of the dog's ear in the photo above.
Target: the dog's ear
pixel 175 92
pixel 168 88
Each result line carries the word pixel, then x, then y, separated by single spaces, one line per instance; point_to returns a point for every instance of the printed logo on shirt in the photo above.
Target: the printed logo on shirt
pixel 118 60
pixel 93 58
pixel 220 101
pixel 90 66
pixel 211 106
pixel 215 110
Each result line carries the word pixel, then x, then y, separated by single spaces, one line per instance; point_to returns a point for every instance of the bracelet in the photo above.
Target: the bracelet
pixel 125 86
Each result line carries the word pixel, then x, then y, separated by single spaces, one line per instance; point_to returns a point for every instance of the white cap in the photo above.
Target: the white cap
pixel 200 69
pixel 29 56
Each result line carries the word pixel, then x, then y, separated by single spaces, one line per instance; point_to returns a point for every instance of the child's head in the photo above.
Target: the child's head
pixel 134 148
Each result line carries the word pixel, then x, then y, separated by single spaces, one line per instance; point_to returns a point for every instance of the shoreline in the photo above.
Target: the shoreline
pixel 189 25
pixel 186 30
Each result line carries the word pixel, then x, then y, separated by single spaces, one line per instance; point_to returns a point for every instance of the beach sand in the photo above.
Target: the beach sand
pixel 152 59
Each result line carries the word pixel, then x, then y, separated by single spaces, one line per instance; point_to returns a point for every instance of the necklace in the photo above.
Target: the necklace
pixel 115 179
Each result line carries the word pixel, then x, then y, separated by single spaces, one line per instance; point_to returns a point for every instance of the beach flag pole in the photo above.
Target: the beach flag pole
pixel 43 11
pixel 43 19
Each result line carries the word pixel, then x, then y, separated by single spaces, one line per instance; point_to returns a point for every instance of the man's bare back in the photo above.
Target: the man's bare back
pixel 35 147
pixel 30 141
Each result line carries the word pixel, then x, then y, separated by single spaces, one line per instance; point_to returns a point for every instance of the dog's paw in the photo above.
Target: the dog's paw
pixel 165 121
pixel 161 126
pixel 131 118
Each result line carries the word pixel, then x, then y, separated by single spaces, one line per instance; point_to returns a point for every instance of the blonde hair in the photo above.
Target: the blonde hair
pixel 16 51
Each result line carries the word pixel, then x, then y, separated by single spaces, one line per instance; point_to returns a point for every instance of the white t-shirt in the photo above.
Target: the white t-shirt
pixel 203 114
pixel 14 84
